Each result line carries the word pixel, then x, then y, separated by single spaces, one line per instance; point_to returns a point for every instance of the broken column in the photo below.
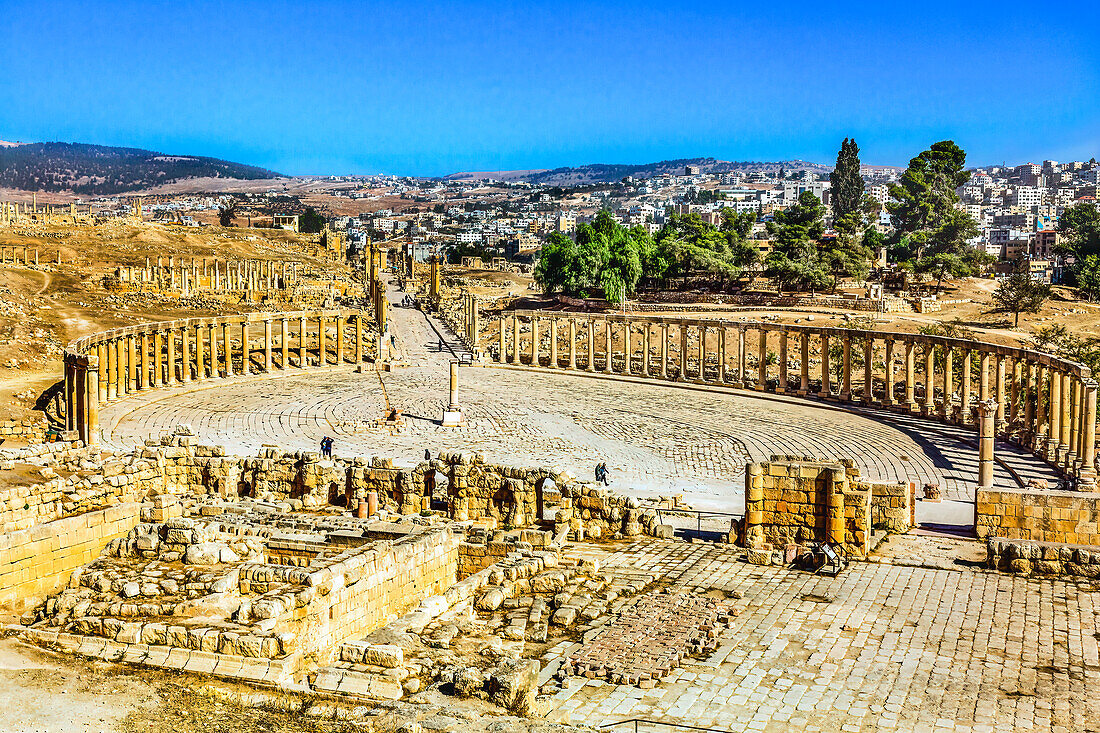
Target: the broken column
pixel 452 416
pixel 987 412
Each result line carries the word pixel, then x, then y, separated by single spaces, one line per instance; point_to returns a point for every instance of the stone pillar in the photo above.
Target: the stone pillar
pixel 783 338
pixel 572 342
pixel 1064 446
pixel 131 376
pixel 284 334
pixel 846 369
pixel 357 351
pixel 609 346
pixel 928 409
pixel 1054 415
pixel 1030 430
pixel 964 412
pixel 948 384
pixel 502 350
pixel 200 364
pixel 762 365
pixel 111 354
pixel 910 377
pixel 227 349
pixel 246 348
pixel 590 327
pixel 826 389
pixel 91 401
pixel 215 363
pixel 267 345
pixel 742 355
pixel 987 412
pixel 322 341
pixel 999 394
pixel 834 518
pixel 515 338
pixel 1014 400
pixel 702 353
pixel 627 348
pixel 664 350
pixel 339 338
pixel 804 366
pixel 1086 476
pixel 888 397
pixel 553 342
pixel 682 376
pixel 185 354
pixel 535 359
pixel 722 353
pixel 868 370
pixel 645 347
pixel 170 337
pixel 143 362
pixel 453 405
pixel 303 351
pixel 1071 464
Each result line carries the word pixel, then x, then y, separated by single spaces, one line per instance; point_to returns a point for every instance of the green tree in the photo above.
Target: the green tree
pixel 1087 272
pixel 795 232
pixel 227 212
pixel 311 222
pixel 1079 230
pixel 1018 293
pixel 846 186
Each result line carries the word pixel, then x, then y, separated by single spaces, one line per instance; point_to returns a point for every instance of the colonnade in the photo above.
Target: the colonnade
pixel 111 365
pixel 213 275
pixel 21 255
pixel 1042 402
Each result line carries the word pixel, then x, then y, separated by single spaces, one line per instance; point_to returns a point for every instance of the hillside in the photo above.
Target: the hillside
pixel 100 170
pixel 610 172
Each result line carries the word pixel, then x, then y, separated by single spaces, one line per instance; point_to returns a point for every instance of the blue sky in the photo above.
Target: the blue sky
pixel 433 88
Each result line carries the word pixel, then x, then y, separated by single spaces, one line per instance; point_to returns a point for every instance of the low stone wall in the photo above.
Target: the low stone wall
pixel 33 430
pixel 893 506
pixel 34 562
pixel 1068 517
pixel 1024 557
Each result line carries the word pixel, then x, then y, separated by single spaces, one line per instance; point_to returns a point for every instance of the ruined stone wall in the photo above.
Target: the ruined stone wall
pixel 484 547
pixel 369 587
pixel 33 562
pixel 1069 517
pixel 893 507
pixel 31 429
pixel 1025 557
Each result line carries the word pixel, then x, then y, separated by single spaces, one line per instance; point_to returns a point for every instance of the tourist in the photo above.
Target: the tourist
pixel 326 447
pixel 602 475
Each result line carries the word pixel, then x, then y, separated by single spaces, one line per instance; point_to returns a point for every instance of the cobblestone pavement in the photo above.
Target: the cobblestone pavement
pixel 882 647
pixel 655 438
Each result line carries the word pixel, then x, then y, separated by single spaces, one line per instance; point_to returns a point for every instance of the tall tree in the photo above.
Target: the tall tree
pixel 1079 231
pixel 846 186
pixel 796 232
pixel 227 212
pixel 1018 293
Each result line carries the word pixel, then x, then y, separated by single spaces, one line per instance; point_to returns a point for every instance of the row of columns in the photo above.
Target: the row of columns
pixel 116 364
pixel 212 274
pixel 1044 404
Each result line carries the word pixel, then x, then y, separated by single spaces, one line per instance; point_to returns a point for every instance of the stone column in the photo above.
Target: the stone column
pixel 888 397
pixel 987 412
pixel 910 377
pixel 1064 446
pixel 535 359
pixel 227 349
pixel 868 370
pixel 1014 399
pixel 1030 432
pixel 948 383
pixel 834 518
pixel 664 350
pixel 515 338
pixel 762 365
pixel 682 376
pixel 303 351
pixel 645 347
pixel 246 348
pixel 999 395
pixel 804 367
pixel 170 337
pixel 826 389
pixel 143 362
pixel 132 365
pixel 928 409
pixel 590 327
pixel 702 353
pixel 200 364
pixel 502 356
pixel 964 412
pixel 1071 464
pixel 572 342
pixel 1086 477
pixel 553 342
pixel 628 350
pixel 185 355
pixel 783 338
pixel 322 345
pixel 101 372
pixel 267 345
pixel 722 353
pixel 357 351
pixel 846 369
pixel 284 339
pixel 112 369
pixel 742 355
pixel 340 339
pixel 1054 415
pixel 609 346
pixel 215 361
pixel 453 406
pixel 91 402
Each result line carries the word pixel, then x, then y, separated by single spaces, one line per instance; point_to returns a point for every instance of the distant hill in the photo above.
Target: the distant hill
pixel 99 170
pixel 611 172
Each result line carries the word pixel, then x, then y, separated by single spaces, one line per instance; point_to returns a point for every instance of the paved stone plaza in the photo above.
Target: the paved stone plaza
pixel 883 647
pixel 655 438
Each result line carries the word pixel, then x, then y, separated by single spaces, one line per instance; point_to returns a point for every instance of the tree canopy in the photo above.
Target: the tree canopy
pixel 1018 293
pixel 846 186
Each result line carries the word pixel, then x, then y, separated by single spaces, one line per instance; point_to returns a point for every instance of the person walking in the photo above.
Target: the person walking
pixel 602 475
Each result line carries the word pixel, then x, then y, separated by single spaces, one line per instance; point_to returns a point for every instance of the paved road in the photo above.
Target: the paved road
pixel 882 647
pixel 655 438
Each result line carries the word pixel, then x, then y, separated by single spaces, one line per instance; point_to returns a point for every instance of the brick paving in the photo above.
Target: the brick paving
pixel 882 647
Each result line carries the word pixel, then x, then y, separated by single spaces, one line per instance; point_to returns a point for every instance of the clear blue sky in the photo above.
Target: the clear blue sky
pixel 433 88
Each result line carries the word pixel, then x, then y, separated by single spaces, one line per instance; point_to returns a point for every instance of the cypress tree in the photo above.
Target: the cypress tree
pixel 846 190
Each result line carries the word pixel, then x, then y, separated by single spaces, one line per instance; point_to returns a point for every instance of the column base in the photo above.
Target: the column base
pixel 453 418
